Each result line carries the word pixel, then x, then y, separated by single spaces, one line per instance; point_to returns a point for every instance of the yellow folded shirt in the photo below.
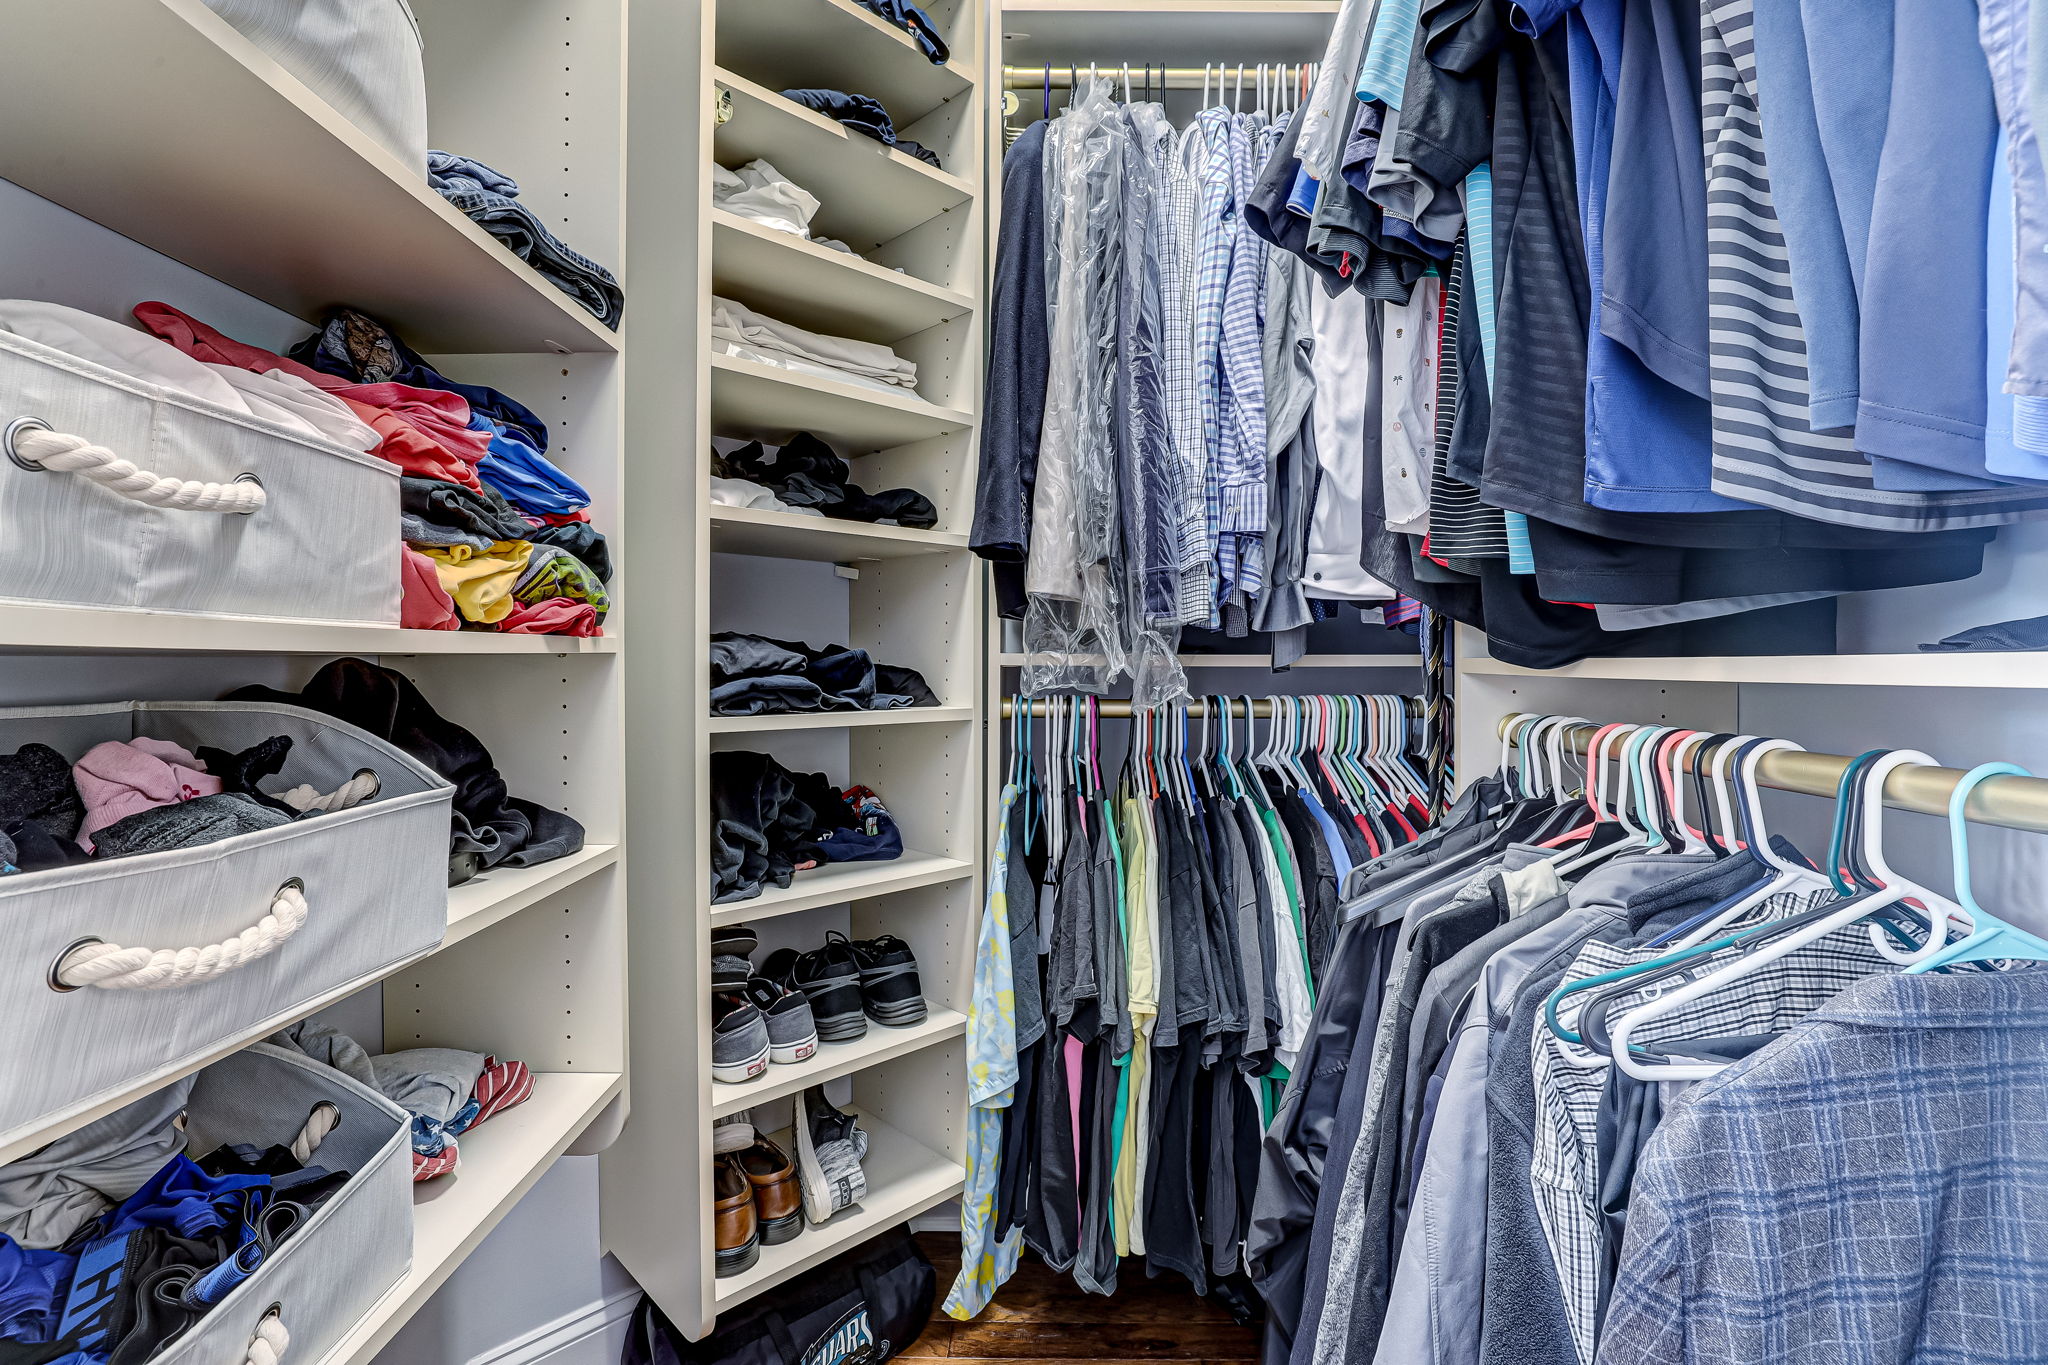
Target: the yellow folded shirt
pixel 480 581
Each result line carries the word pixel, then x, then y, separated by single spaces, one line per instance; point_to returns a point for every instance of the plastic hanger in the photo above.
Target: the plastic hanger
pixel 1786 877
pixel 1992 939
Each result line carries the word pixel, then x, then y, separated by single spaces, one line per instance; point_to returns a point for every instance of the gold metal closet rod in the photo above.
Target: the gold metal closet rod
pixel 2014 802
pixel 1177 77
pixel 1119 708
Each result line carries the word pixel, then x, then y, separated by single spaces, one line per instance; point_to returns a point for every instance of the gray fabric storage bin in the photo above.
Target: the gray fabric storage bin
pixel 355 1248
pixel 324 547
pixel 375 879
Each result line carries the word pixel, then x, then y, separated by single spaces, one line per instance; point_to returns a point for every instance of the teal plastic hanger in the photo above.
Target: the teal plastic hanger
pixel 1993 939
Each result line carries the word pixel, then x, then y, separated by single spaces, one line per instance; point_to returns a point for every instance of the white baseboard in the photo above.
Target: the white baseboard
pixel 583 1337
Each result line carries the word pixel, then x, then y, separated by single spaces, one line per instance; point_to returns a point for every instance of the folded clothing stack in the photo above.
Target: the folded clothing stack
pixel 913 21
pixel 491 827
pixel 804 475
pixel 490 199
pixel 768 823
pixel 752 675
pixel 738 330
pixel 759 193
pixel 125 797
pixel 863 114
pixel 496 536
pixel 446 1090
pixel 114 1240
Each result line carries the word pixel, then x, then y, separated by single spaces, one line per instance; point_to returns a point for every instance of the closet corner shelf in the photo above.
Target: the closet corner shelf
pixel 833 1060
pixel 904 1177
pixel 1173 32
pixel 840 46
pixel 60 629
pixel 867 193
pixel 1962 670
pixel 749 397
pixel 828 291
pixel 175 174
pixel 840 720
pixel 499 894
pixel 827 540
pixel 501 1160
pixel 837 883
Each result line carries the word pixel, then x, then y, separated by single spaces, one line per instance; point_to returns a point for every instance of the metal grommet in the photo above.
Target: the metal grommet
pixel 297 884
pixel 248 478
pixel 276 1310
pixel 13 433
pixel 55 982
pixel 376 782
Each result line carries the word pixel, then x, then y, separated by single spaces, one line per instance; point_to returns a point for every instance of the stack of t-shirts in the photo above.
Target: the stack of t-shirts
pixel 768 823
pixel 114 1240
pixel 803 475
pixel 498 537
pixel 446 1090
pixel 491 827
pixel 738 330
pixel 761 194
pixel 752 675
pixel 490 199
pixel 145 795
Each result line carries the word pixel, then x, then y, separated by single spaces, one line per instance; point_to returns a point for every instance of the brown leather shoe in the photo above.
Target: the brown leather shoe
pixel 778 1197
pixel 735 1229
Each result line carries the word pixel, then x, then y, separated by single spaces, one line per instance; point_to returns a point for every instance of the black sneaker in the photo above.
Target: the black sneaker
pixel 889 989
pixel 831 978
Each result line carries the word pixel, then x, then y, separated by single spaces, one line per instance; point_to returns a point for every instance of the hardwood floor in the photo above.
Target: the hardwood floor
pixel 1042 1316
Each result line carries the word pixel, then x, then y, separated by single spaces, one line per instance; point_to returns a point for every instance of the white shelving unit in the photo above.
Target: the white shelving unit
pixel 208 177
pixel 909 597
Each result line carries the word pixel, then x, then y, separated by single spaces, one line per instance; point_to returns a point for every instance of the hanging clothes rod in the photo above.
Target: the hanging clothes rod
pixel 1177 77
pixel 1119 708
pixel 2012 802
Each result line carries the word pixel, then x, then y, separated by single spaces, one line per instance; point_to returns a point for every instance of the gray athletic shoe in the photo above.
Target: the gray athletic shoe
pixel 792 1036
pixel 739 1039
pixel 829 1148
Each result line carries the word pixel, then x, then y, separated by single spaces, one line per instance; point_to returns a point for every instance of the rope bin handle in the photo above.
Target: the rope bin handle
pixel 267 1347
pixel 32 444
pixel 110 967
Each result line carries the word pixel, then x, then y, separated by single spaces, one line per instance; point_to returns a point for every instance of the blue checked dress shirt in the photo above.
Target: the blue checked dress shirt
pixel 1240 474
pixel 1871 1188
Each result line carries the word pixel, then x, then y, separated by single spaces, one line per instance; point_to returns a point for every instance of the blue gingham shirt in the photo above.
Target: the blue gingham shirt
pixel 1240 473
pixel 1181 162
pixel 1873 1187
pixel 1215 228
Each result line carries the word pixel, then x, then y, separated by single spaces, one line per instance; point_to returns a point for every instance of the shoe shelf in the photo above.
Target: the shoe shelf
pixel 833 1060
pixel 175 175
pixel 909 597
pixel 160 186
pixel 905 1177
pixel 838 883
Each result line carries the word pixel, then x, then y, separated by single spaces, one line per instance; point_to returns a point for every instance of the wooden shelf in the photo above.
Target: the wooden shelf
pixel 1960 670
pixel 835 883
pixel 833 1060
pixel 749 398
pixel 825 540
pixel 813 286
pixel 185 110
pixel 1169 32
pixel 867 193
pixel 501 1160
pixel 837 45
pixel 69 630
pixel 904 1177
pixel 840 720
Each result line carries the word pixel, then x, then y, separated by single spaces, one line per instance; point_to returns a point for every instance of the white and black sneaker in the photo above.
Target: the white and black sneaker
pixel 829 1148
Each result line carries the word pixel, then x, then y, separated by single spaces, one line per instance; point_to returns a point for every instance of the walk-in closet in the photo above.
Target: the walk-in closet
pixel 1314 682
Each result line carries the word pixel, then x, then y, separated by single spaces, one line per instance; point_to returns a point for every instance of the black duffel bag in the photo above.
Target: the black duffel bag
pixel 861 1308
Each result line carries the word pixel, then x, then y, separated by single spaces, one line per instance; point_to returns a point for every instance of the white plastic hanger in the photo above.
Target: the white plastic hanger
pixel 1785 876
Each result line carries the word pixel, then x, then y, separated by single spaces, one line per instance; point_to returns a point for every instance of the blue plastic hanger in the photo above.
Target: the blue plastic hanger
pixel 1993 939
